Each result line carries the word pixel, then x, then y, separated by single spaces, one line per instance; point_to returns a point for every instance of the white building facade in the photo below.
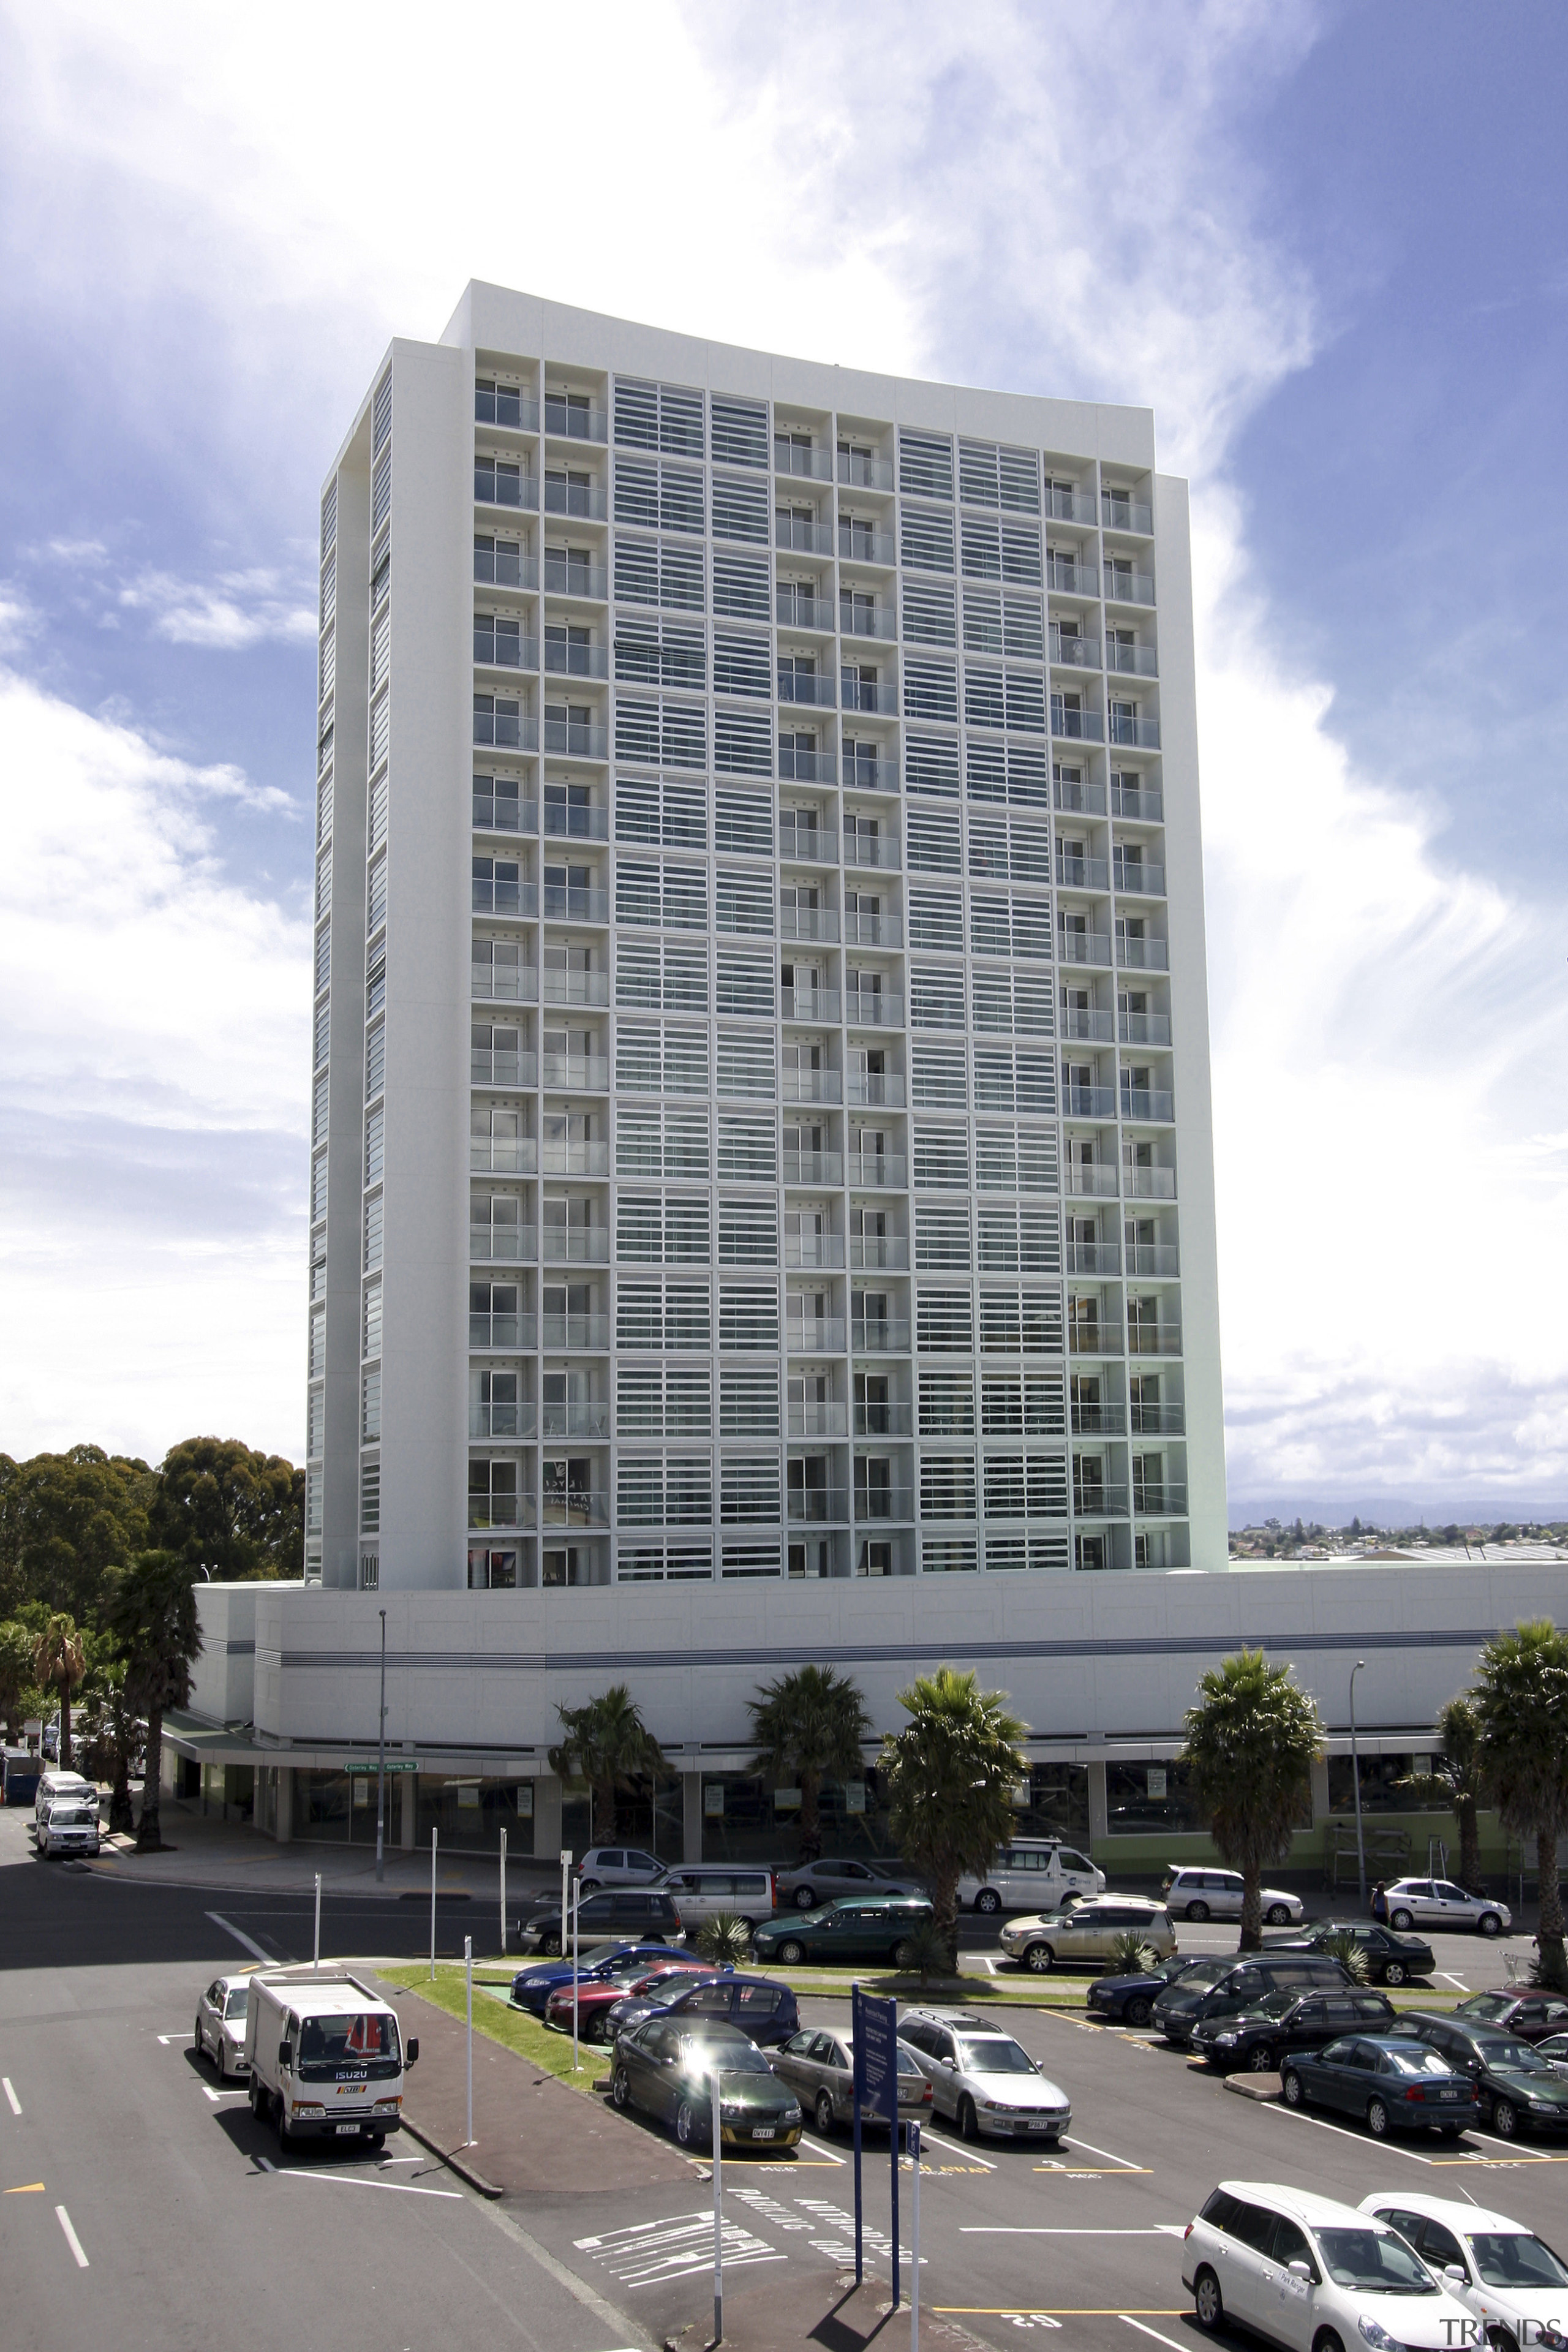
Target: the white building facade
pixel 761 1116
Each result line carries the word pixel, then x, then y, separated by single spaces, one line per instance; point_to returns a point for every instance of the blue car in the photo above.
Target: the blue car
pixel 532 1986
pixel 1129 2000
pixel 1385 2081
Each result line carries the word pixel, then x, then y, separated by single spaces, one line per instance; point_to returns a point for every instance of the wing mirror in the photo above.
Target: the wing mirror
pixel 285 2053
pixel 1454 2274
pixel 1298 2269
pixel 411 2051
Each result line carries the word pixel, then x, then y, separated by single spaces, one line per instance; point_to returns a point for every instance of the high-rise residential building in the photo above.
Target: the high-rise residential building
pixel 761 1112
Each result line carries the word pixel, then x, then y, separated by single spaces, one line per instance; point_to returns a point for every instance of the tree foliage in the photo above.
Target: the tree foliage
pixel 607 1744
pixel 110 1736
pixel 64 1520
pixel 222 1505
pixel 949 1776
pixel 1457 1781
pixel 1521 1700
pixel 1251 1743
pixel 59 1660
pixel 151 1615
pixel 20 1698
pixel 807 1725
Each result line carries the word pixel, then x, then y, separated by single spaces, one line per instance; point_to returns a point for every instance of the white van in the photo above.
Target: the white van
pixel 326 2056
pixel 53 1786
pixel 705 1890
pixel 1032 1874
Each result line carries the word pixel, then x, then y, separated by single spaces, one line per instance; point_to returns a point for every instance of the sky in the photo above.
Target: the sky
pixel 1323 242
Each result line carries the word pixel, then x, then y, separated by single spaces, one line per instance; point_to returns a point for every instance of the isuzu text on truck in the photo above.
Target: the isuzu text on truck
pixel 326 2054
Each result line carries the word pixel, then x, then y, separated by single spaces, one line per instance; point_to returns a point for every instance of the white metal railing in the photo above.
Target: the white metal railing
pixel 493 1421
pixel 506 404
pixel 571 420
pixel 862 473
pixel 812 464
pixel 1128 587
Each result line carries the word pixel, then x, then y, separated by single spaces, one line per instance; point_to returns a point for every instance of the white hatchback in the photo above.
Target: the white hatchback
pixel 1511 2279
pixel 619 1865
pixel 219 2032
pixel 1217 1894
pixel 1315 2276
pixel 1032 1874
pixel 1439 1903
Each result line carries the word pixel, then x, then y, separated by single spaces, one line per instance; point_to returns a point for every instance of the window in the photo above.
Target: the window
pixel 947 1486
pixel 748 1318
pixel 742 823
pixel 944 1322
pixel 748 1147
pixel 659 498
pixel 664 1398
pixel 739 430
pixel 739 510
pixel 370 1498
pixel 925 464
pixel 940 1158
pixel 654 653
pixel 925 539
pixel 744 901
pixel 743 742
pixel 743 985
pixel 663 416
pixel 749 1490
pixel 650 572
pixel 743 586
pixel 942 1235
pixel 749 1395
pixel 671 973
pixel 674 897
pixel 931 691
pixel 749 1232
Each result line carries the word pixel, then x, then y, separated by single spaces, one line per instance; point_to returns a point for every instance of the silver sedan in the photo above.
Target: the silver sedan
pixel 813 1884
pixel 1440 1903
pixel 220 2025
pixel 820 2070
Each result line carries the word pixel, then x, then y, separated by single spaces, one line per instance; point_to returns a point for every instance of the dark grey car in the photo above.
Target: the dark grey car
pixel 820 2070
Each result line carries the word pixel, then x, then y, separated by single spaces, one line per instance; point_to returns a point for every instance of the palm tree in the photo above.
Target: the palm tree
pixel 1456 1781
pixel 1520 1699
pixel 805 1726
pixel 59 1662
pixel 152 1613
pixel 19 1696
pixel 1250 1746
pixel 608 1744
pixel 109 1740
pixel 949 1776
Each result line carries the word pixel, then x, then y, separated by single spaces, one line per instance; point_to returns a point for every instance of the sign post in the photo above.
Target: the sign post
pixel 914 2237
pixel 576 1889
pixel 316 1961
pixel 874 2029
pixel 713 2101
pixel 565 1867
pixel 468 1972
pixel 503 1894
pixel 432 1904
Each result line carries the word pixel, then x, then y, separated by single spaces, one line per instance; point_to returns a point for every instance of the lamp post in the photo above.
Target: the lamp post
pixel 381 1758
pixel 1355 1787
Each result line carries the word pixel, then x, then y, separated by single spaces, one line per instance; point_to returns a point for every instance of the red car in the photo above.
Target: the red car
pixel 595 2001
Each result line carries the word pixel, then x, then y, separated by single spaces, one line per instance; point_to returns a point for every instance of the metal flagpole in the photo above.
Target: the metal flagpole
pixel 316 1961
pixel 565 1867
pixel 855 2051
pixel 503 1894
pixel 381 1761
pixel 433 1906
pixel 576 1888
pixel 1355 1781
pixel 713 2099
pixel 915 2239
pixel 468 1967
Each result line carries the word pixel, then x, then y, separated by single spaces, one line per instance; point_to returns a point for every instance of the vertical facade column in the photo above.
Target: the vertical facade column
pixel 285 1803
pixel 1097 1806
pixel 546 1819
pixel 692 1816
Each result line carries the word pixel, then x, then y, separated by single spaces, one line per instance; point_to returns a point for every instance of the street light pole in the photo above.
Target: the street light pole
pixel 1355 1787
pixel 381 1758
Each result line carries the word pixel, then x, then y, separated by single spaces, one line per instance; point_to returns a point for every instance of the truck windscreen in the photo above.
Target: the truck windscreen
pixel 363 2044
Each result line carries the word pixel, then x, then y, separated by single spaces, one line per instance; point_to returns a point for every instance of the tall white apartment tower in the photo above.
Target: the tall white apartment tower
pixel 761 1118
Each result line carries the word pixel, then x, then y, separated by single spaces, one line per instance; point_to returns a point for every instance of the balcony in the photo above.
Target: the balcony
pixel 576 1506
pixel 564 902
pixel 878 1253
pixel 1098 1420
pixel 798 537
pixel 487 1511
pixel 494 1155
pixel 1094 1257
pixel 1072 579
pixel 861 931
pixel 1135 877
pixel 1081 799
pixel 497 648
pixel 1083 947
pixel 1157 1419
pixel 500 1333
pixel 814 1506
pixel 814 1004
pixel 504 567
pixel 1144 803
pixel 1153 1261
pixel 800 608
pixel 1153 1339
pixel 1072 651
pixel 867 771
pixel 822 1336
pixel 1087 1024
pixel 574 420
pixel 884 1503
pixel 576 1244
pixel 1082 872
pixel 1147 1103
pixel 576 824
pixel 860 544
pixel 493 813
pixel 818 1421
pixel 860 848
pixel 860 617
pixel 576 987
pixel 881 1089
pixel 493 1421
pixel 564 577
pixel 505 486
pixel 1134 734
pixel 812 464
pixel 879 1334
pixel 576 661
pixel 862 473
pixel 1143 955
pixel 806 844
pixel 798 767
pixel 1131 661
pixel 877 1169
pixel 508 730
pixel 1088 1337
pixel 890 1420
pixel 573 1158
pixel 1076 726
pixel 505 403
pixel 576 738
pixel 808 923
pixel 1097 1501
pixel 501 1245
pixel 492 1069
pixel 812 689
pixel 584 502
pixel 1089 1102
pixel 810 1250
pixel 1164 1502
pixel 814 1168
pixel 503 983
pixel 574 1421
pixel 1143 1028
pixel 572 1330
pixel 878 695
pixel 578 1073
pixel 1120 511
pixel 1070 505
pixel 1151 1183
pixel 812 1086
pixel 1128 587
pixel 867 1009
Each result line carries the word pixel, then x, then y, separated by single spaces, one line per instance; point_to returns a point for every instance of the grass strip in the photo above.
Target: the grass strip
pixel 514 2028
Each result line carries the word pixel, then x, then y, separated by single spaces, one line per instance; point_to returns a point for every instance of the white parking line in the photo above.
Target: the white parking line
pixel 1455 1980
pixel 72 2241
pixel 831 2153
pixel 354 2180
pixel 1154 2331
pixel 932 2139
pixel 1391 2144
pixel 1110 2153
pixel 10 2094
pixel 215 2095
pixel 239 1936
pixel 978 2230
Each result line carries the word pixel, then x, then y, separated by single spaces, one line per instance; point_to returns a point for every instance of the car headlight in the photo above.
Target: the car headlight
pixel 1377 2334
pixel 1225 2041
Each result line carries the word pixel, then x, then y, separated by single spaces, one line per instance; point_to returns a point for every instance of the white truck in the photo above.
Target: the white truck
pixel 327 2056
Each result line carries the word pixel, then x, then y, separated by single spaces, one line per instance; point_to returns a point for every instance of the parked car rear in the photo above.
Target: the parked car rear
pixel 705 1890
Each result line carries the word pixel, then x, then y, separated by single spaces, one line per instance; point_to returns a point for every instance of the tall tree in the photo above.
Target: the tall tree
pixel 20 1698
pixel 607 1744
pixel 221 1505
pixel 59 1662
pixel 109 1737
pixel 65 1520
pixel 152 1613
pixel 1457 1781
pixel 1520 1699
pixel 807 1725
pixel 1250 1744
pixel 949 1776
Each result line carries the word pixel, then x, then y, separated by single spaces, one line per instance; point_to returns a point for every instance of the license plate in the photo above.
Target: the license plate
pixel 1448 2094
pixel 761 2131
pixel 345 2129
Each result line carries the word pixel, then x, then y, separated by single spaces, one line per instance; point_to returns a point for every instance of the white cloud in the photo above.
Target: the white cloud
pixel 238 610
pixel 18 621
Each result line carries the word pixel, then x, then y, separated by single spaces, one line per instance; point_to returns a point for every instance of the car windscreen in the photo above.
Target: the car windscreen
pixel 1488 2004
pixel 1508 2258
pixel 1513 2057
pixel 1204 1974
pixel 362 2042
pixel 238 2000
pixel 1375 2261
pixel 1412 2058
pixel 703 2053
pixel 72 1818
pixel 994 2053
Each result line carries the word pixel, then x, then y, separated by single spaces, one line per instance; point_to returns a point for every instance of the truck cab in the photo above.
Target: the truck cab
pixel 326 2054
